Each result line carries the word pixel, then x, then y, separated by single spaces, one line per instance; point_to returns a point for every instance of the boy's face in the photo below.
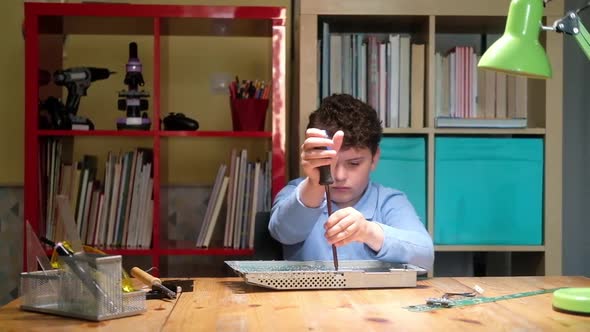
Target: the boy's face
pixel 351 175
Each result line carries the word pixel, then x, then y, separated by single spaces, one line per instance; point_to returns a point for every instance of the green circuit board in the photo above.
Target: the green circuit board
pixel 463 302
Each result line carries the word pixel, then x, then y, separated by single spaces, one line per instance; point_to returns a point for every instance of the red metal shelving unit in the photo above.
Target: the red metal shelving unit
pixel 43 17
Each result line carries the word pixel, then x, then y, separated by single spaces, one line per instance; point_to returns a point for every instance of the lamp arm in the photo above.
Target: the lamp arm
pixel 572 25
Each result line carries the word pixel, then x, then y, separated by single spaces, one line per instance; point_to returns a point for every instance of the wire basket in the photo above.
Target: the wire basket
pixel 88 287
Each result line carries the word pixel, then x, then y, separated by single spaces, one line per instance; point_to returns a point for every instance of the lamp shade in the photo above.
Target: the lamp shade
pixel 518 51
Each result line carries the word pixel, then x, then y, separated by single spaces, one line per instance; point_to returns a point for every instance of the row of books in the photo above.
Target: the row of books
pixel 244 190
pixel 385 70
pixel 468 96
pixel 116 212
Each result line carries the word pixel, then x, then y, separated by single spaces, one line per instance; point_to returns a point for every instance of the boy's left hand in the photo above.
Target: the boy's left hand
pixel 345 226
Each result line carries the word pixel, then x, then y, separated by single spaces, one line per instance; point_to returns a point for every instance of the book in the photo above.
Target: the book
pixel 215 213
pixel 404 82
pixel 211 205
pixel 417 82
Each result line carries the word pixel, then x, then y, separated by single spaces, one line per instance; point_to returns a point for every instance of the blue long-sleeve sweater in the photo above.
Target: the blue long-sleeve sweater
pixel 301 229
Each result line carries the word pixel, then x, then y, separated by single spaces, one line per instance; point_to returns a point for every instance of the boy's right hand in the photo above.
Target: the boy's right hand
pixel 314 153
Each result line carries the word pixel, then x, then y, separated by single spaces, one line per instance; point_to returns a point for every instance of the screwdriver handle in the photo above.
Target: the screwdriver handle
pixel 325 175
pixel 145 277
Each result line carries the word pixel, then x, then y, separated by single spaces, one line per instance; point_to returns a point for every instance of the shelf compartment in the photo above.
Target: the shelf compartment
pixel 95 25
pixel 488 191
pixel 521 97
pixel 402 165
pixel 479 24
pixel 198 99
pixel 100 104
pixel 184 163
pixel 398 35
pixel 215 27
pixel 413 24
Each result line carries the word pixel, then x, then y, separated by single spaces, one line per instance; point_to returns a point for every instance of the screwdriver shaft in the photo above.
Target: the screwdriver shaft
pixel 329 203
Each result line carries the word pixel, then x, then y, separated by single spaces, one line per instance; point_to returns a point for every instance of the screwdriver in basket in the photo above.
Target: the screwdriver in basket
pixel 84 274
pixel 150 280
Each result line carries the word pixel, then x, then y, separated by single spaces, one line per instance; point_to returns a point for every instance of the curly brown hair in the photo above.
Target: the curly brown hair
pixel 358 120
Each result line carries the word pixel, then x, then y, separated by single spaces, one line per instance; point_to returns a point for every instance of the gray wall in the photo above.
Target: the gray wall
pixel 576 153
pixel 11 244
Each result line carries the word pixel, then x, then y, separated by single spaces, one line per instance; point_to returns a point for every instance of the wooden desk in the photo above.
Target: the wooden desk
pixel 227 304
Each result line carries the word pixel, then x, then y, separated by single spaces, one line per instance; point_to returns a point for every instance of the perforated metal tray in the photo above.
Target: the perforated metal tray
pixel 321 274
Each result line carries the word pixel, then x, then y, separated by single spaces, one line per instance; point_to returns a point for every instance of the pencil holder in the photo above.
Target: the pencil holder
pixel 248 114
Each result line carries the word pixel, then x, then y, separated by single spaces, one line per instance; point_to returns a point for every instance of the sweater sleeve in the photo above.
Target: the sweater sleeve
pixel 405 237
pixel 290 220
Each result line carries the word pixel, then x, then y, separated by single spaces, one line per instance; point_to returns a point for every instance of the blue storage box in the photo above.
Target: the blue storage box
pixel 488 191
pixel 403 167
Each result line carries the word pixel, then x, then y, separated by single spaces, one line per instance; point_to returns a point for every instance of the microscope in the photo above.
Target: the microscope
pixel 133 101
pixel 77 81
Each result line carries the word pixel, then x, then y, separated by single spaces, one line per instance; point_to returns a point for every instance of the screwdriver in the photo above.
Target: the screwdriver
pixel 150 280
pixel 84 275
pixel 326 180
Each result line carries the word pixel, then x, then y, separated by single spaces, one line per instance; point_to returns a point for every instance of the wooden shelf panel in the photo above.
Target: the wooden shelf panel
pixel 204 252
pixel 490 131
pixel 129 252
pixel 409 131
pixel 100 132
pixel 464 131
pixel 214 133
pixel 188 248
pixel 415 7
pixel 118 251
pixel 151 133
pixel 175 251
pixel 502 248
pixel 470 24
pixel 138 10
pixel 366 23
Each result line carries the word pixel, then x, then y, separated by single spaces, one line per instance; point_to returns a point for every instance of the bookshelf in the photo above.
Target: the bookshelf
pixel 430 22
pixel 49 25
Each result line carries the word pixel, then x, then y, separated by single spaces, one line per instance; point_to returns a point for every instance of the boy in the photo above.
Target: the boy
pixel 369 221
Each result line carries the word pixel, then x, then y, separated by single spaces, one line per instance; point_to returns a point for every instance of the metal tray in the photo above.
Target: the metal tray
pixel 321 274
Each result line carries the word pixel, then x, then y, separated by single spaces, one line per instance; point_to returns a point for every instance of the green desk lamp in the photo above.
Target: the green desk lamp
pixel 518 52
